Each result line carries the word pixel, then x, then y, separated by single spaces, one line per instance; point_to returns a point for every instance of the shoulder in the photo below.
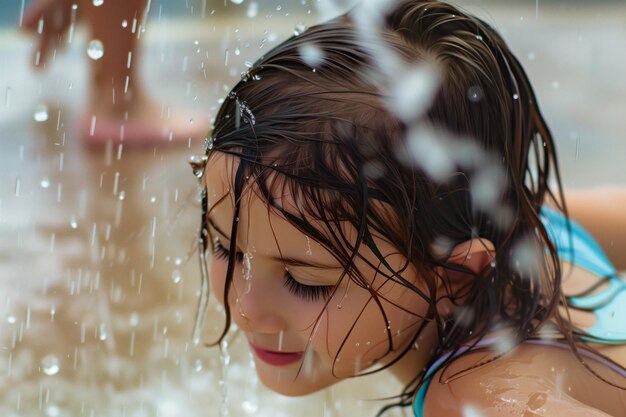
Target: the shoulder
pixel 518 384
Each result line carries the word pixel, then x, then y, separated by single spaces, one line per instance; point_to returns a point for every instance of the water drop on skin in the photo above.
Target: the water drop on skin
pixel 41 113
pixel 98 3
pixel 45 182
pixel 124 23
pixel 50 365
pixel 236 1
pixel 95 49
pixel 237 51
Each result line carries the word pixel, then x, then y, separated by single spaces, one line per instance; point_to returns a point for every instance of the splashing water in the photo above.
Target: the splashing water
pixel 311 54
pixel 41 113
pixel 253 9
pixel 225 358
pixel 247 266
pixel 95 49
pixel 205 292
pixel 50 365
pixel 251 403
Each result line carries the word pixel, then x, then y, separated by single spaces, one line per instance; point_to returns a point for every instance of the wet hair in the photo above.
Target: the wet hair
pixel 324 130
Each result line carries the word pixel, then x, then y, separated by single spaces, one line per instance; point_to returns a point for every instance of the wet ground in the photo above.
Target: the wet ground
pixel 98 272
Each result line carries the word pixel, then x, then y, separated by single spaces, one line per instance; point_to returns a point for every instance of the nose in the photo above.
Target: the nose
pixel 256 308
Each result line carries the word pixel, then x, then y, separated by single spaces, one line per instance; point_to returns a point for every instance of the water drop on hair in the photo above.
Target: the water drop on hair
pixel 475 94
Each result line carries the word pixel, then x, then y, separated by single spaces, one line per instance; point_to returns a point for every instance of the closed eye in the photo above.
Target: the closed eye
pixel 309 293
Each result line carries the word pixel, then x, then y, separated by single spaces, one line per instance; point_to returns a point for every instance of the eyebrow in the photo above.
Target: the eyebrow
pixel 285 259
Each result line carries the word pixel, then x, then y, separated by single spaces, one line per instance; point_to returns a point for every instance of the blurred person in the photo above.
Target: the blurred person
pixel 119 107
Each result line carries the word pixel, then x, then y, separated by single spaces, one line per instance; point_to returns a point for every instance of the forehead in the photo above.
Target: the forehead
pixel 264 228
pixel 259 224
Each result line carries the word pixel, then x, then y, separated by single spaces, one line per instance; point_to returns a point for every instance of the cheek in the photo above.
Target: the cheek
pixel 357 334
pixel 217 274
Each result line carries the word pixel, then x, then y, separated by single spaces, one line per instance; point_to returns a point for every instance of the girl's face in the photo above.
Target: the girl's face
pixel 281 285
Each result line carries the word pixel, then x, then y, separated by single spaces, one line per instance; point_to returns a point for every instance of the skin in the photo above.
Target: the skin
pixel 116 93
pixel 269 314
pixel 529 381
pixel 540 381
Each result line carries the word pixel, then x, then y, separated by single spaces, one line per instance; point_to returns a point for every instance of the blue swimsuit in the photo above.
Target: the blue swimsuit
pixel 609 305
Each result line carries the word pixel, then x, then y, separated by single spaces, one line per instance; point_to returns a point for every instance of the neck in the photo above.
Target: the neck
pixel 414 361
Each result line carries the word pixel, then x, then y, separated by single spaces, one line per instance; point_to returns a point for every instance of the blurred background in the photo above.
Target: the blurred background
pixel 98 273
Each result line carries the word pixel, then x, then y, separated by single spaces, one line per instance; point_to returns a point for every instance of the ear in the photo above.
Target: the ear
pixel 473 255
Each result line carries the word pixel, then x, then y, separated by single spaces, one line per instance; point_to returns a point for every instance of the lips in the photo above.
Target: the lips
pixel 276 358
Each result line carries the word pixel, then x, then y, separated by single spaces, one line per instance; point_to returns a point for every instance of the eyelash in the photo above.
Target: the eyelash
pixel 306 292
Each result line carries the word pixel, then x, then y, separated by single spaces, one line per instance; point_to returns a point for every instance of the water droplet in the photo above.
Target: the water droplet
pixel 103 333
pixel 53 411
pixel 41 113
pixel 73 222
pixel 311 54
pixel 279 8
pixel 95 49
pixel 45 182
pixel 555 84
pixel 475 94
pixel 471 411
pixel 236 1
pixel 133 320
pixel 515 96
pixel 237 51
pixel 176 276
pixel 198 365
pixel 299 29
pixel 98 3
pixel 124 23
pixel 122 195
pixel 178 261
pixel 50 365
pixel 532 56
pixel 74 6
pixel 11 319
pixel 253 9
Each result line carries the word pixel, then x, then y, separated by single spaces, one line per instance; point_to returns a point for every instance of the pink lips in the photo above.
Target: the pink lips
pixel 276 358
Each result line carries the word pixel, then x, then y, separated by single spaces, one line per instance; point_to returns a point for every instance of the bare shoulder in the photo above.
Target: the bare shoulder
pixel 530 381
pixel 601 211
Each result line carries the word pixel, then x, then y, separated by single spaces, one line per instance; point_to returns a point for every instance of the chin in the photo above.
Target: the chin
pixel 285 384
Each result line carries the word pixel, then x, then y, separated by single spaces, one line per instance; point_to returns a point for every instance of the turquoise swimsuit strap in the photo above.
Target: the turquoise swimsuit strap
pixel 580 249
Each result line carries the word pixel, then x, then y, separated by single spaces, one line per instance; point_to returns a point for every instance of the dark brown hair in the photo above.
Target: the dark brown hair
pixel 324 131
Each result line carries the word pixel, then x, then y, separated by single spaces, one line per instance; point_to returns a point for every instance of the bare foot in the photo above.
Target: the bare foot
pixel 140 122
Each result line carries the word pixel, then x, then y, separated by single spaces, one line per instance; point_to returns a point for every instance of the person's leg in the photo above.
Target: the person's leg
pixel 114 84
pixel 120 109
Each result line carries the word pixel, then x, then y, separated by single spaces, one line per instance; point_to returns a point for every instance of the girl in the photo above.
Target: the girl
pixel 376 193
